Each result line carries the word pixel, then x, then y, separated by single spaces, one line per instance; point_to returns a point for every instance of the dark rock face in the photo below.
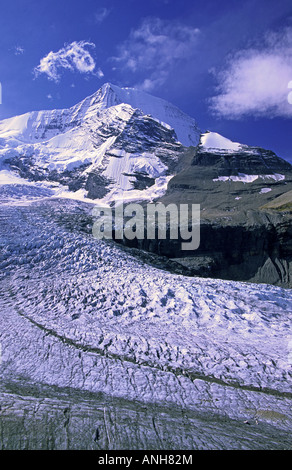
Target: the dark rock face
pixel 261 254
pixel 143 133
pixel 243 236
pixel 253 161
pixel 96 185
pixel 27 169
pixel 142 181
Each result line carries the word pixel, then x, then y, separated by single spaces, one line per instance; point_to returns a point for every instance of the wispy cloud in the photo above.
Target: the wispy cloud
pixel 255 80
pixel 101 14
pixel 73 57
pixel 100 73
pixel 154 49
pixel 18 50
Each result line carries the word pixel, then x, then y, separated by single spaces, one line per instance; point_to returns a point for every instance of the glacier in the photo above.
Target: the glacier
pixel 103 331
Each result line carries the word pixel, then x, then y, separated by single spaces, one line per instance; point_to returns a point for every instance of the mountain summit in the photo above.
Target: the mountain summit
pixel 185 127
pixel 116 140
pixel 31 126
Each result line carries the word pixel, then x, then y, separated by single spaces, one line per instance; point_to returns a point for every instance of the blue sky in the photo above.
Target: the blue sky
pixel 226 63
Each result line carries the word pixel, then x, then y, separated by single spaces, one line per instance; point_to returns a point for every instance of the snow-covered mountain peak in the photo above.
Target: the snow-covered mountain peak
pixel 109 95
pixel 212 141
pixel 113 140
pixel 42 125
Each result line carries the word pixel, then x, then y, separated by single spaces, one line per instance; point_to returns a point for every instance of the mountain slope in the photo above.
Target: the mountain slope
pixel 43 125
pixel 235 185
pixel 122 135
pixel 121 142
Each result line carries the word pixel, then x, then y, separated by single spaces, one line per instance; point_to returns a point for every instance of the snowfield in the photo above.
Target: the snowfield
pixel 216 142
pixel 250 178
pixel 91 317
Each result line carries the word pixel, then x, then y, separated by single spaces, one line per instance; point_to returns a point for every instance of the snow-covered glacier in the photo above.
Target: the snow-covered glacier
pixel 112 348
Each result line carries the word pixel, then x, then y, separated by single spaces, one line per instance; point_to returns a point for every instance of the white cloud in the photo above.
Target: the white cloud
pixel 73 57
pixel 100 73
pixel 255 81
pixel 155 48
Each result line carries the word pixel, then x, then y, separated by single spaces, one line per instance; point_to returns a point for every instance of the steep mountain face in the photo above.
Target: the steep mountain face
pixel 245 235
pixel 113 141
pixel 120 143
